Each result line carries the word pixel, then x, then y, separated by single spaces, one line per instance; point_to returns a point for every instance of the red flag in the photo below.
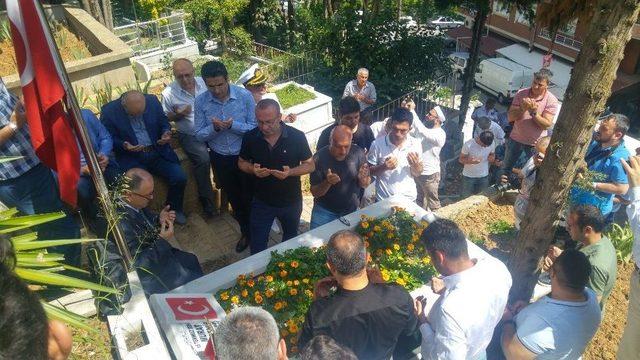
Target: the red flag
pixel 51 133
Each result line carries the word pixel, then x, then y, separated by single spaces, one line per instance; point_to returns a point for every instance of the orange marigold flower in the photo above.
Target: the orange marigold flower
pixel 283 273
pixel 224 296
pixel 293 292
pixel 251 283
pixel 294 264
pixel 269 293
pixel 269 278
pixel 410 247
pixel 388 251
pixel 277 306
pixel 281 264
pixel 377 228
pixel 289 283
pixel 296 282
pixel 258 299
pixel 244 293
pixel 293 328
pixel 365 225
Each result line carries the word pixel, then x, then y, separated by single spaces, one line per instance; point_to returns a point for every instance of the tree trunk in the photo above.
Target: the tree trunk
pixel 328 10
pixel 482 12
pixel 93 8
pixel 399 9
pixel 291 23
pixel 588 90
pixel 107 13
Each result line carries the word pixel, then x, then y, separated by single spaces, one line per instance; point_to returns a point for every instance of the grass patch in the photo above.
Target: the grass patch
pixel 292 95
pixel 500 227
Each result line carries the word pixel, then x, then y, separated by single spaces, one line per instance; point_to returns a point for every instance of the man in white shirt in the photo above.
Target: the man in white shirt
pixel 630 343
pixel 485 123
pixel 178 100
pixel 476 155
pixel 433 138
pixel 395 159
pixel 473 296
pixel 557 326
pixel 487 110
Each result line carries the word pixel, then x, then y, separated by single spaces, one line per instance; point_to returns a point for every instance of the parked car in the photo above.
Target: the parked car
pixel 445 22
pixel 459 61
pixel 502 78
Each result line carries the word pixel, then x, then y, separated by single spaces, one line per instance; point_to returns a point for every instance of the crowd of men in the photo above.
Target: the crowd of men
pixel 258 159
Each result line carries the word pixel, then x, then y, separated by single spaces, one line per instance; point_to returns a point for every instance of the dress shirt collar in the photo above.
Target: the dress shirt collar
pixel 452 280
pixel 233 94
pixel 196 90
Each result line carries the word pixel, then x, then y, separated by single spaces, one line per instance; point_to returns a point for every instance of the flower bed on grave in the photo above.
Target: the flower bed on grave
pixel 285 289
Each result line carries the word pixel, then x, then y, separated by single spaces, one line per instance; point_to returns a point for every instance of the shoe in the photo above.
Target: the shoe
pixel 242 244
pixel 181 218
pixel 208 208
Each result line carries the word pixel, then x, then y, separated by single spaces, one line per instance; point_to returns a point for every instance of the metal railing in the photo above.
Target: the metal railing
pixel 149 36
pixel 565 40
pixel 269 52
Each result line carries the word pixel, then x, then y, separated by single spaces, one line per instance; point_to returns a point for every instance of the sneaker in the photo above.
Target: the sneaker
pixel 181 218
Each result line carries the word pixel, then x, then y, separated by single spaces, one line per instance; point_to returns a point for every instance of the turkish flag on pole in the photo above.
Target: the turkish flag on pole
pixel 51 133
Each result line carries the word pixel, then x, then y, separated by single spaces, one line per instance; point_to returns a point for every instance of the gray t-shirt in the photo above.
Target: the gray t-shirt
pixel 344 197
pixel 558 330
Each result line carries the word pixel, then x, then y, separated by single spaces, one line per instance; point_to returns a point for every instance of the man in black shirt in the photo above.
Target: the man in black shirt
pixel 341 173
pixel 349 112
pixel 277 155
pixel 375 320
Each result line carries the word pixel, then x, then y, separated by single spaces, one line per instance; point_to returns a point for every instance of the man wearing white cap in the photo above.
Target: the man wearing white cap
pixel 254 79
pixel 433 138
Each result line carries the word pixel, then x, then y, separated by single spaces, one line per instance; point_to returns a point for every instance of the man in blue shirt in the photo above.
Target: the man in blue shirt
pixel 103 147
pixel 603 157
pixel 222 116
pixel 141 137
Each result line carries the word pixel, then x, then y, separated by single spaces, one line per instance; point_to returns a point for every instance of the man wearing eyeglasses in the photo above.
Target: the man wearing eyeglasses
pixel 395 159
pixel 178 100
pixel 163 267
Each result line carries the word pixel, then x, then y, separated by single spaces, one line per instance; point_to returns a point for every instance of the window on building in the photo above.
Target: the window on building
pixel 521 17
pixel 501 8
pixel 570 28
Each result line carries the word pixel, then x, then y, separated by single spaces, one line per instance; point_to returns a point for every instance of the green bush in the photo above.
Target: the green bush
pixel 622 239
pixel 292 95
pixel 240 42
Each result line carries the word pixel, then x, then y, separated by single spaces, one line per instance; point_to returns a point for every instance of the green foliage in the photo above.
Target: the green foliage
pixel 500 227
pixel 213 18
pixel 622 239
pixel 235 66
pixel 240 42
pixel 292 95
pixel 150 9
pixel 264 20
pixel 474 238
pixel 443 94
pixel 5 30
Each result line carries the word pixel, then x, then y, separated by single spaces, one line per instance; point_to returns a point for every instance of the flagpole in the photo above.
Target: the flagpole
pixel 85 143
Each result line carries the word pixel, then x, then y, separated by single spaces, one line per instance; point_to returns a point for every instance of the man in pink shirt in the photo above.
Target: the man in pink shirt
pixel 531 114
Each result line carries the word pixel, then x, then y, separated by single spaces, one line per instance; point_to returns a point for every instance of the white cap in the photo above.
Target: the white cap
pixel 247 74
pixel 440 114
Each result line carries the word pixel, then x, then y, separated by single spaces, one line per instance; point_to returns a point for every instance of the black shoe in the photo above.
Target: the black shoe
pixel 181 218
pixel 242 244
pixel 208 209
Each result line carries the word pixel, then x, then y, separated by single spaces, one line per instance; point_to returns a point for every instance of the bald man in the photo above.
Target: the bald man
pixel 141 136
pixel 162 266
pixel 340 175
pixel 178 100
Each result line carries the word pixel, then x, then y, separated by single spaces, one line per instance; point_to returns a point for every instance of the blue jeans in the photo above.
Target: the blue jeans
pixel 516 154
pixel 321 215
pixel 472 186
pixel 262 216
pixel 36 192
pixel 171 172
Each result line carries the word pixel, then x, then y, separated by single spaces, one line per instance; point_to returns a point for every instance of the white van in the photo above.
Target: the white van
pixel 502 78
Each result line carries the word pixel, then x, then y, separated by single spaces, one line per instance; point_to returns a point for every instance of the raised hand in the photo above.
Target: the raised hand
pixel 633 170
pixel 413 158
pixel 167 215
pixel 166 230
pixel 363 173
pixel 281 174
pixel 133 148
pixel 165 138
pixel 390 162
pixel 332 178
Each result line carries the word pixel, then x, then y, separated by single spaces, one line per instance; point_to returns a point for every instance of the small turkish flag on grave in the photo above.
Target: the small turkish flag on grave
pixel 191 308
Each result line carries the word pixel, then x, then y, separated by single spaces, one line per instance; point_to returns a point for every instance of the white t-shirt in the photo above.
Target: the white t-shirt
pixel 399 180
pixel 378 128
pixel 475 150
pixel 481 111
pixel 496 130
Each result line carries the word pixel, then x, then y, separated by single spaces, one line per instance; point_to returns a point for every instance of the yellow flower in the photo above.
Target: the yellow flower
pixel 280 264
pixel 377 228
pixel 294 264
pixel 390 235
pixel 234 299
pixel 269 293
pixel 277 306
pixel 244 293
pixel 426 260
pixel 410 247
pixel 385 275
pixel 283 273
pixel 241 277
pixel 258 299
pixel 305 280
pixel 224 296
pixel 309 293
pixel 293 292
pixel 414 238
pixel 388 251
pixel 289 283
pixel 296 282
pixel 251 283
pixel 396 247
pixel 401 282
pixel 293 328
pixel 269 278
pixel 365 225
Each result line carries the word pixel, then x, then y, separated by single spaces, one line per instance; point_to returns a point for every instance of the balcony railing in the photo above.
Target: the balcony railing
pixel 565 40
pixel 149 36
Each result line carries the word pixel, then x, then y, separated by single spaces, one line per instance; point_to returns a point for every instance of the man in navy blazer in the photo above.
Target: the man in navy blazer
pixel 141 136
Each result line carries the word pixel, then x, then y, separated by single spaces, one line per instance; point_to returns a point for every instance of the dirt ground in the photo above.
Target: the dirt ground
pixel 605 343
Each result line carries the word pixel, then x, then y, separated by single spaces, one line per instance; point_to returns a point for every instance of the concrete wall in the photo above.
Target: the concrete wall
pixel 110 61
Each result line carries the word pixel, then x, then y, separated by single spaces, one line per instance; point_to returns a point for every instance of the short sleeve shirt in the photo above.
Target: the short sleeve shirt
pixel 399 180
pixel 290 150
pixel 363 137
pixel 525 130
pixel 174 97
pixel 558 330
pixel 606 162
pixel 475 150
pixel 604 267
pixel 343 197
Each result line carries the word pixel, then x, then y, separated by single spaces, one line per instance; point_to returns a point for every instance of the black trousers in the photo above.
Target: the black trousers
pixel 235 184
